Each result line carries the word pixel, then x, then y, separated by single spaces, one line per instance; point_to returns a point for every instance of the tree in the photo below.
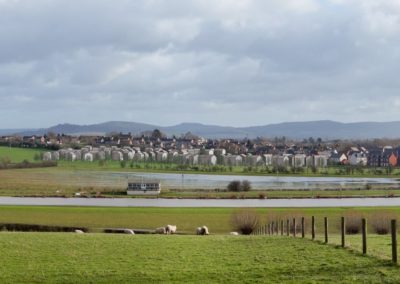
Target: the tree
pixel 246 185
pixel 157 134
pixel 234 186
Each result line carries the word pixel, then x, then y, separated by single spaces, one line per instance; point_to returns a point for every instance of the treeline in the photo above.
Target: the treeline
pixel 34 145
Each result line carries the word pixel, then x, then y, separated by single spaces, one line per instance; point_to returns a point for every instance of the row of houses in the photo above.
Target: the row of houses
pixel 208 157
pixel 385 157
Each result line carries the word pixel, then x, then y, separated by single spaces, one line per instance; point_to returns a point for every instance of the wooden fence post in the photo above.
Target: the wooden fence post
pixel 343 231
pixel 287 227
pixel 272 228
pixel 364 235
pixel 394 240
pixel 294 227
pixel 281 227
pixel 326 229
pixel 277 228
pixel 313 228
pixel 302 228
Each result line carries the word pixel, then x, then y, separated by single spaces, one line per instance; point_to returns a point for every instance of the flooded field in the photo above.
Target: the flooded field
pixel 107 179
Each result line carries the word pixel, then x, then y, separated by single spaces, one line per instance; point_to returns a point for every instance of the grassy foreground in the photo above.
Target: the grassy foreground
pixel 97 258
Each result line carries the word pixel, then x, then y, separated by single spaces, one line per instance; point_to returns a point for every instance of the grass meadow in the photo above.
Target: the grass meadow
pixel 218 220
pixel 99 258
pixel 17 155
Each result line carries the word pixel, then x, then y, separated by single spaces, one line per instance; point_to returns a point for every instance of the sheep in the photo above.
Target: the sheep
pixel 202 231
pixel 79 232
pixel 170 229
pixel 129 231
pixel 161 230
pixel 234 233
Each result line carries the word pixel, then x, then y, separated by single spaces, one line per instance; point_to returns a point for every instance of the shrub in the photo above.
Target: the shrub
pixel 353 223
pixel 380 223
pixel 246 185
pixel 245 221
pixel 234 186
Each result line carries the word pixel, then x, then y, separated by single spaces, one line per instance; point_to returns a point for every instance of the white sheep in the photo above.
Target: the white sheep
pixel 170 229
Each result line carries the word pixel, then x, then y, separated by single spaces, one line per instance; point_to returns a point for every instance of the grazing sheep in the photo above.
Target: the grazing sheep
pixel 202 231
pixel 161 230
pixel 234 233
pixel 170 229
pixel 79 232
pixel 129 232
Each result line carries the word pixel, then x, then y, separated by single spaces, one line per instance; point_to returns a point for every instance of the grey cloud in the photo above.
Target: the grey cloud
pixel 228 62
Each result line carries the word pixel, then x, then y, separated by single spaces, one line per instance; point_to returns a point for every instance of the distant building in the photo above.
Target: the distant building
pixel 143 188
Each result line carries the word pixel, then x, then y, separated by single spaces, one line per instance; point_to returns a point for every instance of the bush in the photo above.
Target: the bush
pixel 245 221
pixel 380 223
pixel 246 185
pixel 353 223
pixel 234 186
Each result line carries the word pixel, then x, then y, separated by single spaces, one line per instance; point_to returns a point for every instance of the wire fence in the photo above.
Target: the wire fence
pixel 296 227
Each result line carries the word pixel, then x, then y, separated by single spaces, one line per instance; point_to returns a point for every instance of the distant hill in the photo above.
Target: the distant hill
pixel 298 130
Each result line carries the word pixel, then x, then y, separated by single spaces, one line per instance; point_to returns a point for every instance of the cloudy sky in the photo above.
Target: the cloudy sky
pixel 226 62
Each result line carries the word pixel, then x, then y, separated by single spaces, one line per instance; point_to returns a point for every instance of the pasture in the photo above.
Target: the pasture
pixel 17 155
pixel 218 220
pixel 99 258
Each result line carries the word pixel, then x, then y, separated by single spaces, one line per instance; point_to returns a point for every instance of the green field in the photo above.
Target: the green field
pixel 187 219
pixel 17 155
pixel 218 220
pixel 98 258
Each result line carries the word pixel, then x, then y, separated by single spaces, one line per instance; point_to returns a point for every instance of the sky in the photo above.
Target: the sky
pixel 225 62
